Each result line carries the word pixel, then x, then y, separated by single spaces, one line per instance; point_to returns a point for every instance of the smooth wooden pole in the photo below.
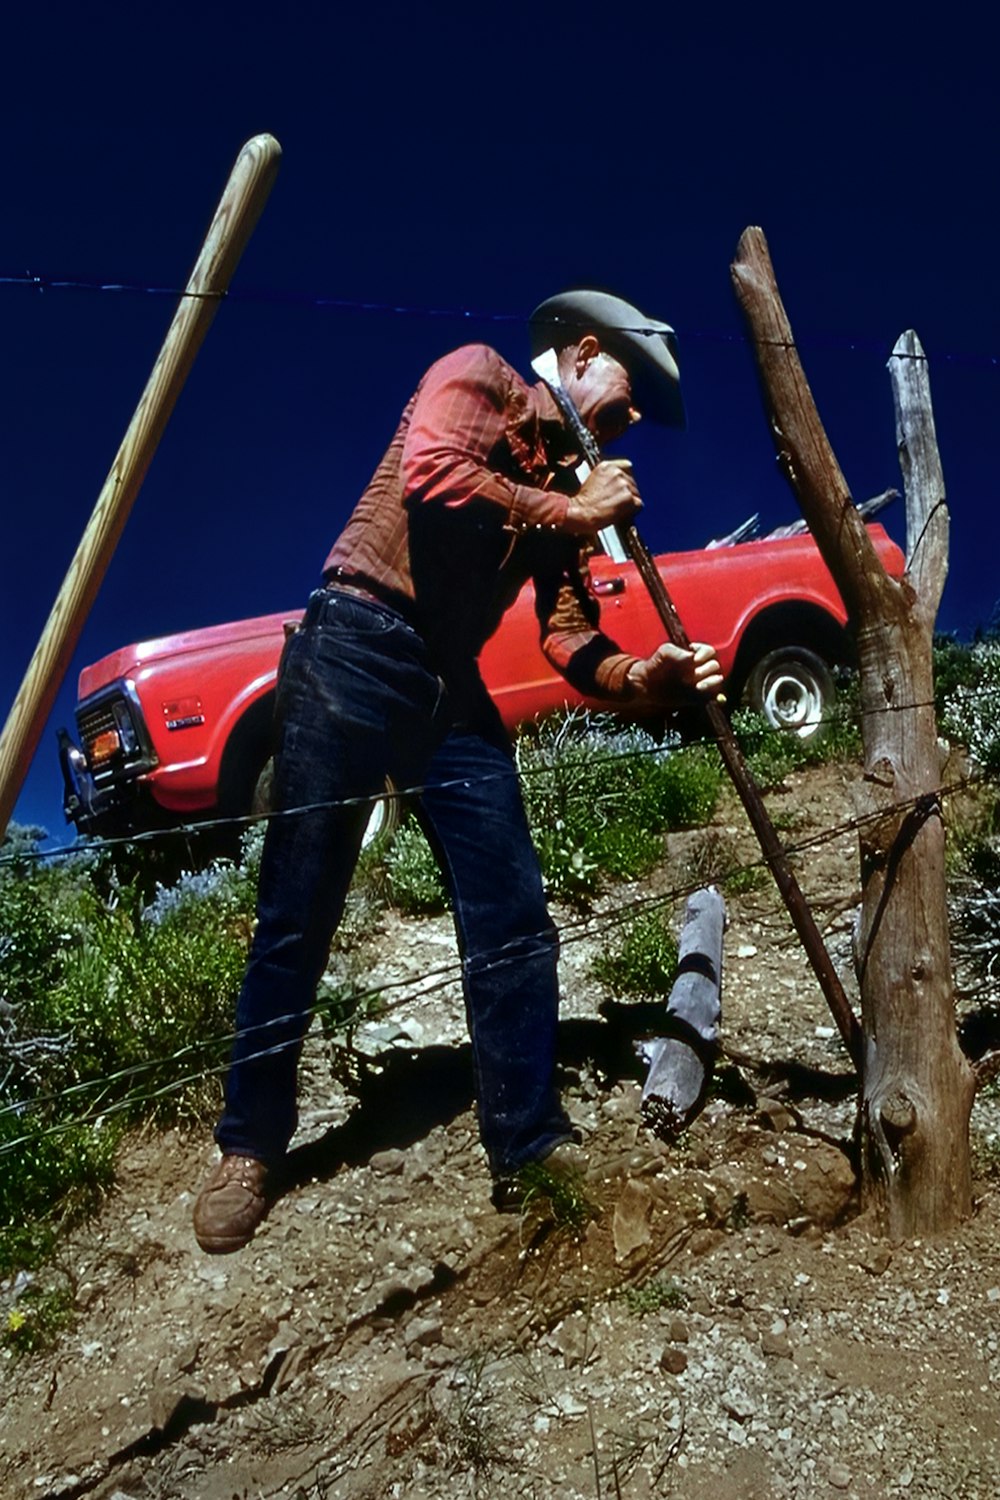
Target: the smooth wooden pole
pixel 239 208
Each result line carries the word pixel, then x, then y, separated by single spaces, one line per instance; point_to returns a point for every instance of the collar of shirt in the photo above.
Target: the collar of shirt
pixel 537 435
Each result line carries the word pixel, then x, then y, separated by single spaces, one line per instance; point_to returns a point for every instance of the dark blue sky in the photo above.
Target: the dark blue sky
pixel 474 159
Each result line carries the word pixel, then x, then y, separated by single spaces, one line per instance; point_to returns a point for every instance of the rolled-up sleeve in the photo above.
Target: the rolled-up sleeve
pixel 453 450
pixel 568 615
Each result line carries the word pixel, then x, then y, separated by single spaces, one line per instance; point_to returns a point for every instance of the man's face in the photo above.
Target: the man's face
pixel 602 392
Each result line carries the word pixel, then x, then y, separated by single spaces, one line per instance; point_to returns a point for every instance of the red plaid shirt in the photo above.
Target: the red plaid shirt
pixel 467 504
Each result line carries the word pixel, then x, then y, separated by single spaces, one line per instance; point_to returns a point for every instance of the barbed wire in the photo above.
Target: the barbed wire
pixel 249 820
pixel 417 985
pixel 855 343
pixel 426 982
pixel 429 981
pixel 90 845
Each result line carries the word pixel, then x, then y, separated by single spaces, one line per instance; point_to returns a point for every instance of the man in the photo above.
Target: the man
pixel 476 494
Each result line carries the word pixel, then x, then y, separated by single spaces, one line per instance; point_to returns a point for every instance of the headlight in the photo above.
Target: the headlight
pixel 105 746
pixel 128 739
pixel 113 735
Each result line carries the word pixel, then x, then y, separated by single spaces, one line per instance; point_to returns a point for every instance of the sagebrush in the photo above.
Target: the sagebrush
pixel 599 796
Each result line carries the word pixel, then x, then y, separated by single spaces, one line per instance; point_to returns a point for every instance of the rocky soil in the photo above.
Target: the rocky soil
pixel 727 1325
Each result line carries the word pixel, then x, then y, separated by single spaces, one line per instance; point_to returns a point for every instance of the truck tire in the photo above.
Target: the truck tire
pixel 793 689
pixel 382 824
pixel 385 818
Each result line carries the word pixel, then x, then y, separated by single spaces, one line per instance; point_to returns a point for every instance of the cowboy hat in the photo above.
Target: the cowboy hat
pixel 646 347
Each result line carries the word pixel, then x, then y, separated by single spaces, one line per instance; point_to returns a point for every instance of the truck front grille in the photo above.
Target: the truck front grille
pixel 95 721
pixel 114 736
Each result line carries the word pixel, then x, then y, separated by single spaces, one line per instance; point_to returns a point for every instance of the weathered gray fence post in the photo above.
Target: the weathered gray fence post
pixel 681 1064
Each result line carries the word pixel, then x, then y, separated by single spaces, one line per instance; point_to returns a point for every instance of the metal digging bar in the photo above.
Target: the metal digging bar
pixel 547 366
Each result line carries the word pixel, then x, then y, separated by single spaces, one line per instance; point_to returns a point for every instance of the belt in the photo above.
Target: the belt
pixel 372 593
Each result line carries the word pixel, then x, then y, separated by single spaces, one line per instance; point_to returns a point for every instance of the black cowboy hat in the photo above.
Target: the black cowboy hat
pixel 646 347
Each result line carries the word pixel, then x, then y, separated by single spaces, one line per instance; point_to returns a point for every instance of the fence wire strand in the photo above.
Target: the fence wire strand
pixel 92 846
pixel 419 984
pixel 41 283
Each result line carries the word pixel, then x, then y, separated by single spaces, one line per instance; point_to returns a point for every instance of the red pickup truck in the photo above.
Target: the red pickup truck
pixel 178 729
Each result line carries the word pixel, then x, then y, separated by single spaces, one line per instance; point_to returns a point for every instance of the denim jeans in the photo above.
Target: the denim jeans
pixel 358 700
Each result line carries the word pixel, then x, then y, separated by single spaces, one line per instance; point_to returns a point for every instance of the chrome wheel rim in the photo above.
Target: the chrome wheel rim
pixel 793 701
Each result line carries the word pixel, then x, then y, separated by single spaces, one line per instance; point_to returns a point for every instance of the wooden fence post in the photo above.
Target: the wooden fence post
pixel 917 1088
pixel 239 208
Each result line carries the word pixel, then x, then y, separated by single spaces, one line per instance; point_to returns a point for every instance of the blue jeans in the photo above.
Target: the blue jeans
pixel 358 700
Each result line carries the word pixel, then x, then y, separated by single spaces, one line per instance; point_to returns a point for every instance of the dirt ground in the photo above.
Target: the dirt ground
pixel 727 1325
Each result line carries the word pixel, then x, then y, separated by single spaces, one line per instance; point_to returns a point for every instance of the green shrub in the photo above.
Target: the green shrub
pixel 625 850
pixel 132 998
pixel 599 794
pixel 109 1012
pixel 36 1320
pixel 29 942
pixel 344 1002
pixel 415 882
pixel 140 984
pixel 556 1194
pixel 651 1296
pixel 971 703
pixel 642 961
pixel 840 739
pixel 976 935
pixel 681 788
pixel 770 754
pixel 957 665
pixel 570 860
pixel 56 1176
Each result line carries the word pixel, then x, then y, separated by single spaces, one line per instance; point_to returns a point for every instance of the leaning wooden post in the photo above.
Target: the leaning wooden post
pixel 917 1088
pixel 239 208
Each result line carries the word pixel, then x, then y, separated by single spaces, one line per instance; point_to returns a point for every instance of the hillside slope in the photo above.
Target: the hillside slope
pixel 725 1326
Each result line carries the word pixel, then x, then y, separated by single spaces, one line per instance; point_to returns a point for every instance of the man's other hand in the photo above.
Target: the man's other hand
pixel 671 669
pixel 607 497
